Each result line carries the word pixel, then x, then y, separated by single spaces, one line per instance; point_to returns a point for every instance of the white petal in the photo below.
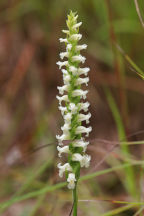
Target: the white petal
pixel 82 117
pixel 61 150
pixel 84 160
pixel 71 181
pixel 66 79
pixel 68 47
pixel 62 89
pixel 63 168
pixel 68 117
pixel 65 72
pixel 82 129
pixel 66 31
pixel 79 58
pixel 81 47
pixel 62 98
pixel 83 71
pixel 75 18
pixel 64 54
pixel 62 138
pixel 65 128
pixel 61 64
pixel 77 157
pixel 76 37
pixel 79 92
pixel 77 25
pixel 80 143
pixel 84 106
pixel 80 81
pixel 74 70
pixel 73 108
pixel 62 109
pixel 63 40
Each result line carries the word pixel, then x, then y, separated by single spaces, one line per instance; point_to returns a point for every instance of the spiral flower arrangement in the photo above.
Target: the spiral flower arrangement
pixel 72 104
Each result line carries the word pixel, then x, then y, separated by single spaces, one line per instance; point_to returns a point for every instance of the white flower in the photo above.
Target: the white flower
pixel 63 168
pixel 64 54
pixel 68 117
pixel 62 89
pixel 82 117
pixel 76 37
pixel 79 71
pixel 84 160
pixel 66 79
pixel 68 47
pixel 83 71
pixel 71 103
pixel 80 81
pixel 79 92
pixel 62 98
pixel 73 108
pixel 65 128
pixel 84 106
pixel 63 40
pixel 79 58
pixel 61 64
pixel 65 72
pixel 81 47
pixel 62 109
pixel 74 70
pixel 61 150
pixel 62 138
pixel 75 18
pixel 80 143
pixel 82 129
pixel 71 181
pixel 77 25
pixel 66 31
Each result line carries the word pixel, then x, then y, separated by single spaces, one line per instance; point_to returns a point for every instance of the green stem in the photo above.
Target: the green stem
pixel 75 200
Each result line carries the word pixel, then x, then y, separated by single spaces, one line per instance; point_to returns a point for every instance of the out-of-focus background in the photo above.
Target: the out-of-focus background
pixel 29 115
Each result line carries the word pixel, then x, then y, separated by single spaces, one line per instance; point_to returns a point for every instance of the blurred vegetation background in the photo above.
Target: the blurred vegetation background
pixel 29 116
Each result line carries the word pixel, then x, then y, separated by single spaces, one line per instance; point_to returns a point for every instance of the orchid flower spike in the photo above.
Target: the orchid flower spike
pixel 70 104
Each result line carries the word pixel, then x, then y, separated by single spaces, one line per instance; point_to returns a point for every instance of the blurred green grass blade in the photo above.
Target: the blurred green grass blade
pixel 132 143
pixel 37 205
pixel 117 117
pixel 139 212
pixel 46 189
pixel 31 179
pixel 109 170
pixel 52 188
pixel 34 175
pixel 131 62
pixel 118 210
pixel 129 172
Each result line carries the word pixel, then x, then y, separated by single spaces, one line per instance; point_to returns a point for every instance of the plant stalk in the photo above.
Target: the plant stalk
pixel 75 201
